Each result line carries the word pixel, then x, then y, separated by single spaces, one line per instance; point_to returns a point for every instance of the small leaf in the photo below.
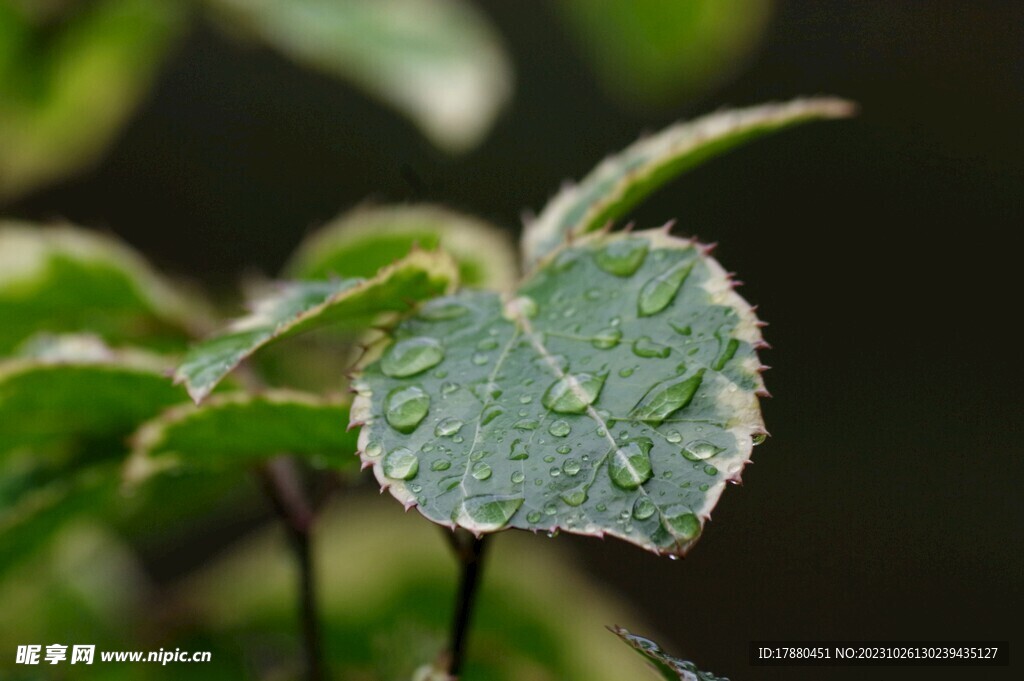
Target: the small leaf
pixel 574 405
pixel 623 180
pixel 68 280
pixel 437 61
pixel 670 668
pixel 650 52
pixel 363 241
pixel 68 85
pixel 239 428
pixel 76 392
pixel 352 304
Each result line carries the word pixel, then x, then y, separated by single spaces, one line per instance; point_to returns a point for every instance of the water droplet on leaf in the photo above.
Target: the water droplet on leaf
pixel 401 464
pixel 404 408
pixel 622 257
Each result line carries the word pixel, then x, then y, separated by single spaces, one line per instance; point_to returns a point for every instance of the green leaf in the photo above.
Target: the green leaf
pixel 68 280
pixel 655 52
pixel 352 304
pixel 615 395
pixel 363 241
pixel 439 62
pixel 621 181
pixel 32 515
pixel 75 393
pixel 669 667
pixel 68 85
pixel 240 428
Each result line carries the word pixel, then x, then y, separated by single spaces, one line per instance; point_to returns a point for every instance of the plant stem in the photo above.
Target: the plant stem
pixel 284 489
pixel 470 552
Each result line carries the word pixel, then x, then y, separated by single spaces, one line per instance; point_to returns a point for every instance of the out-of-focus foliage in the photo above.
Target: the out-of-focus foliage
pixel 387 592
pixel 361 242
pixel 70 77
pixel 437 61
pixel 388 589
pixel 655 52
pixel 71 73
pixel 62 279
pixel 241 428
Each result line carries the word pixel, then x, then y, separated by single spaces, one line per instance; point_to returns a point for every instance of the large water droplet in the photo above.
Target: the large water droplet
pixel 411 356
pixel 487 513
pixel 663 400
pixel 560 428
pixel 571 467
pixel 448 427
pixel 573 393
pixel 673 436
pixel 404 408
pixel 574 497
pixel 622 257
pixel 606 339
pixel 440 465
pixel 518 451
pixel 533 517
pixel 630 466
pixel 647 348
pixel 490 414
pixel 373 450
pixel 644 508
pixel 401 464
pixel 698 450
pixel 682 523
pixel 518 477
pixel 661 290
pixel 481 471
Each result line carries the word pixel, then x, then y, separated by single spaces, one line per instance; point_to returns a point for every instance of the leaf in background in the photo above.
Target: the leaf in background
pixel 67 88
pixel 671 668
pixel 30 515
pixel 302 306
pixel 621 181
pixel 64 279
pixel 361 242
pixel 439 62
pixel 76 393
pixel 240 428
pixel 616 395
pixel 386 608
pixel 655 53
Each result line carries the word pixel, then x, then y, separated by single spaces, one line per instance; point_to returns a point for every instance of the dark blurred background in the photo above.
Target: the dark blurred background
pixel 883 251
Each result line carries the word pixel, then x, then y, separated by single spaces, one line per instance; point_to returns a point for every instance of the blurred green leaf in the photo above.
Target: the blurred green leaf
pixel 32 513
pixel 617 395
pixel 655 52
pixel 239 428
pixel 361 242
pixel 64 279
pixel 437 61
pixel 670 668
pixel 352 304
pixel 68 83
pixel 75 393
pixel 387 594
pixel 623 180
